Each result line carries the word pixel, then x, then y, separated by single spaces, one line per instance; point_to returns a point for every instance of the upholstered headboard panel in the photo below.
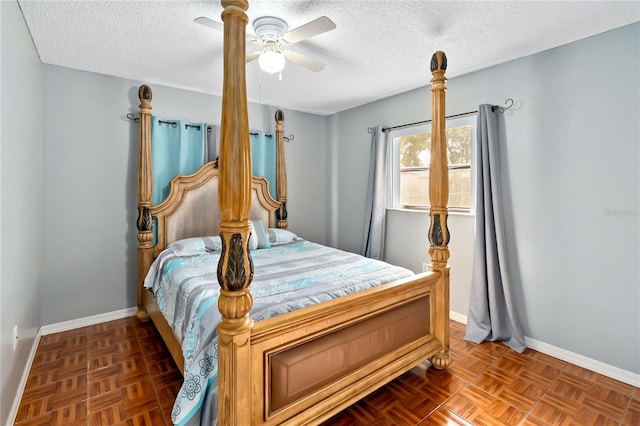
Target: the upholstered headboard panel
pixel 191 208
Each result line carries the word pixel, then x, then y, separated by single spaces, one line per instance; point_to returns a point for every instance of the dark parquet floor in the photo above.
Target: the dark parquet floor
pixel 120 373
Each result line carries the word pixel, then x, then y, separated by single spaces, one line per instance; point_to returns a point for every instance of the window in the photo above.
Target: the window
pixel 410 164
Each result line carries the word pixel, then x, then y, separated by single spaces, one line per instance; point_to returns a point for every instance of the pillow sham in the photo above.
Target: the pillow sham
pixel 261 234
pixel 195 245
pixel 253 238
pixel 280 236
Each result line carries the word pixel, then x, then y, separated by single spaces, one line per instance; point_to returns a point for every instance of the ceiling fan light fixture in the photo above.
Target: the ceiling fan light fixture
pixel 271 61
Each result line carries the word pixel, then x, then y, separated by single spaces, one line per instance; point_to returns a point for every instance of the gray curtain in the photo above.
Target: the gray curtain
pixel 492 313
pixel 211 147
pixel 378 191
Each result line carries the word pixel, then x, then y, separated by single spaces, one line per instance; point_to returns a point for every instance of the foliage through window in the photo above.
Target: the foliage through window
pixel 411 156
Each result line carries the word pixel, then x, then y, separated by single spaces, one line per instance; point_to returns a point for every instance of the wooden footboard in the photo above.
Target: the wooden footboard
pixel 361 342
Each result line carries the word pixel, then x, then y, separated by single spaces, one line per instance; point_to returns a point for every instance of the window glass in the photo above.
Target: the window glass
pixel 411 157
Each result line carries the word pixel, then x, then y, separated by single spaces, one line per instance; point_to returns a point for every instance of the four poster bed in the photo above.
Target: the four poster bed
pixel 302 360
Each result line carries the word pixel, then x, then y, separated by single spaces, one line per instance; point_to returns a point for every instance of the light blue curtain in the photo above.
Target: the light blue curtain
pixel 378 193
pixel 177 148
pixel 263 159
pixel 492 315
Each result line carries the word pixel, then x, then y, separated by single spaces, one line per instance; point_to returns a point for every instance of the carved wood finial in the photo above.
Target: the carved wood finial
pixel 145 93
pixel 439 61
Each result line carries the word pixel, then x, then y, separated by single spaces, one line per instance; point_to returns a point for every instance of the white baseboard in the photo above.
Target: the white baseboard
pixel 616 373
pixel 582 361
pixel 83 322
pixel 56 328
pixel 458 317
pixel 23 380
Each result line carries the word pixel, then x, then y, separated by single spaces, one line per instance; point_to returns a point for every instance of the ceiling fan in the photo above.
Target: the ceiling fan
pixel 272 34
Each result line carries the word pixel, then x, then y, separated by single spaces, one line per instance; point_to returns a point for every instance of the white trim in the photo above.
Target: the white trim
pixel 83 322
pixel 23 380
pixel 599 367
pixel 458 317
pixel 616 373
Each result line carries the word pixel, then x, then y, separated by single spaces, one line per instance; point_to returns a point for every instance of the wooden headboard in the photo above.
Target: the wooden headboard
pixel 191 209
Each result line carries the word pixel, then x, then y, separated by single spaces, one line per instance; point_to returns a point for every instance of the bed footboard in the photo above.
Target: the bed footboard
pixel 359 343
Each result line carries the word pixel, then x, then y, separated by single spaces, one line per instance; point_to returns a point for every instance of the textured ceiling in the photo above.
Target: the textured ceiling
pixel 379 48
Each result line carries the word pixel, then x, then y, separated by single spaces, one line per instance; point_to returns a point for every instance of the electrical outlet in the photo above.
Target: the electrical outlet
pixel 425 267
pixel 15 337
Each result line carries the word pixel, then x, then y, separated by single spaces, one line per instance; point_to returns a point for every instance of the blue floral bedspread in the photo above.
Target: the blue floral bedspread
pixel 286 277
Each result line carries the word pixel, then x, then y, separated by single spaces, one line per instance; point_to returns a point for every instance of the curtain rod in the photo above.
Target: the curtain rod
pixel 131 117
pixel 501 109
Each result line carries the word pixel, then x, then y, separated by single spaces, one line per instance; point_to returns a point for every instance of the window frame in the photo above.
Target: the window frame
pixel 456 121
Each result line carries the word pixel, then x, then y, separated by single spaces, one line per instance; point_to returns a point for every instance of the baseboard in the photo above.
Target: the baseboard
pixel 23 380
pixel 582 361
pixel 590 364
pixel 83 322
pixel 458 317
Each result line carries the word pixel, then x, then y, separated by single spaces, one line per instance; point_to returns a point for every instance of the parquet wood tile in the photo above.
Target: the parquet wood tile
pixel 120 373
pixel 632 415
pixel 482 408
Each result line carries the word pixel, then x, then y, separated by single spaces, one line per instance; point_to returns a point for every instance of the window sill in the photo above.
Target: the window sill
pixel 426 211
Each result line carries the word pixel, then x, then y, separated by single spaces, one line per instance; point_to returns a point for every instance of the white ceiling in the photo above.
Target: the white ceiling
pixel 380 48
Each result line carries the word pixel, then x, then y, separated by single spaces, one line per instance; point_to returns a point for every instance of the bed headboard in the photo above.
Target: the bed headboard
pixel 191 208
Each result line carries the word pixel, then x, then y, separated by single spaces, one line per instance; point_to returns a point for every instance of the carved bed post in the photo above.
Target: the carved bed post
pixel 281 171
pixel 145 191
pixel 439 196
pixel 235 269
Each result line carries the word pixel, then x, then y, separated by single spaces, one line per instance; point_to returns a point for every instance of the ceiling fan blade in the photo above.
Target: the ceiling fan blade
pixel 303 60
pixel 253 56
pixel 310 29
pixel 208 22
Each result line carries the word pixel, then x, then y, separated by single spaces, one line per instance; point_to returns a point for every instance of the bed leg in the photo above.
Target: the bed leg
pixel 441 360
pixel 144 263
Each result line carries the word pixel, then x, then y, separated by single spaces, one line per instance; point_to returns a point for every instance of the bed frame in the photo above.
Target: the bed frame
pixel 223 200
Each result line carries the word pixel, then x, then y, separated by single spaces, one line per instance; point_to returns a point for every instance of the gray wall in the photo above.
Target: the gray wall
pixel 572 188
pixel 90 166
pixel 20 200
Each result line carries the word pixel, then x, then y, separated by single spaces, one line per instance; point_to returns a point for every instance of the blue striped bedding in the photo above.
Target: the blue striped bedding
pixel 287 277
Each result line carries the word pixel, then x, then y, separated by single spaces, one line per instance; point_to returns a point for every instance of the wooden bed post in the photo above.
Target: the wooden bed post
pixel 439 196
pixel 235 269
pixel 145 191
pixel 281 172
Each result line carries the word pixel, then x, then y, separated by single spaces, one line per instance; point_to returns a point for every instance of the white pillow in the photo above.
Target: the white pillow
pixel 253 239
pixel 280 236
pixel 195 245
pixel 261 234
